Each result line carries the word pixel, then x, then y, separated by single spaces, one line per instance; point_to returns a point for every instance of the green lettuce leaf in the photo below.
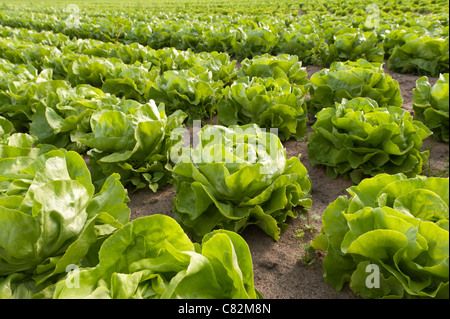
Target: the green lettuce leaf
pixel 192 91
pixel 430 105
pixel 282 66
pixel 351 44
pixel 255 41
pixel 65 113
pixel 304 43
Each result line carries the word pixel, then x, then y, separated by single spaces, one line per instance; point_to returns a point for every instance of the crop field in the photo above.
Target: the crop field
pixel 224 149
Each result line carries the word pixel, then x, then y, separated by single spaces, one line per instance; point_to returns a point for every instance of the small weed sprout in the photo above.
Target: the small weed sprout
pixel 308 228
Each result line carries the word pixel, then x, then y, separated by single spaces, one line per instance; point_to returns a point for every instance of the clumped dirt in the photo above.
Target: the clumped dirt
pixel 279 270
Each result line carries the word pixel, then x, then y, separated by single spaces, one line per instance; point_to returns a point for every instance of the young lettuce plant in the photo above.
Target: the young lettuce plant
pixel 130 139
pixel 222 68
pixel 282 66
pixel 268 102
pixel 254 41
pixel 351 44
pixel 353 79
pixel 110 74
pixel 151 257
pixel 51 218
pixel 16 152
pixel 430 105
pixel 390 239
pixel 193 91
pixel 235 177
pixel 18 101
pixel 303 43
pixel 424 55
pixel 359 138
pixel 64 115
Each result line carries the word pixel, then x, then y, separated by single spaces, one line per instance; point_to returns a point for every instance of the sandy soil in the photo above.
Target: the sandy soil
pixel 278 271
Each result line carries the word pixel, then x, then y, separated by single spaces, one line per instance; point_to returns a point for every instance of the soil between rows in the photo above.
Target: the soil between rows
pixel 278 272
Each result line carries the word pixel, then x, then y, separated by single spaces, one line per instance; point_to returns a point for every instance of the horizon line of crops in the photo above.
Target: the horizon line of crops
pixel 279 7
pixel 318 40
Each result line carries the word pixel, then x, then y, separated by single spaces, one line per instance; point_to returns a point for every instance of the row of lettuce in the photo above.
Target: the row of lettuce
pixel 59 216
pixel 59 94
pixel 412 43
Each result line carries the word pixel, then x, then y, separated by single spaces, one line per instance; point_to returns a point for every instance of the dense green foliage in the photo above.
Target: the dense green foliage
pixel 424 55
pixel 131 139
pixel 268 102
